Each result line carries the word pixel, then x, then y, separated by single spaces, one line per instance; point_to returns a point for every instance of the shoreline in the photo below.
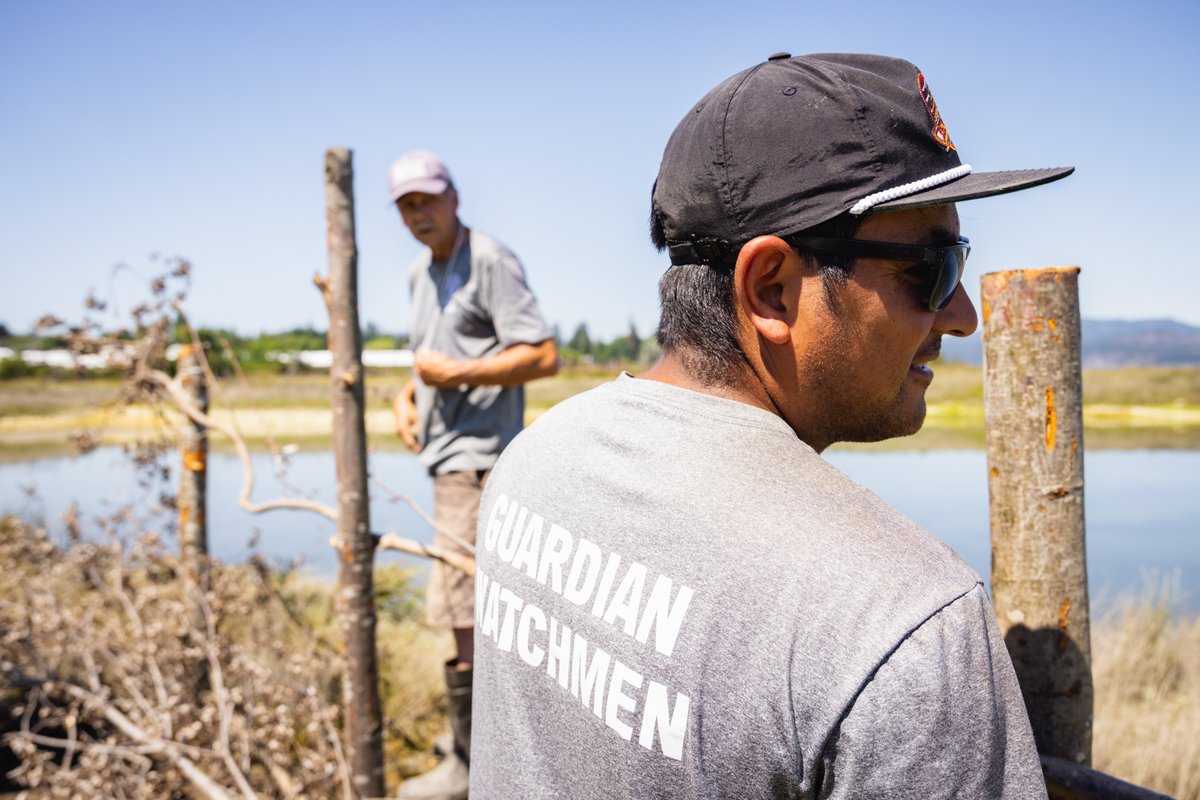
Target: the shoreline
pixel 1124 408
pixel 949 425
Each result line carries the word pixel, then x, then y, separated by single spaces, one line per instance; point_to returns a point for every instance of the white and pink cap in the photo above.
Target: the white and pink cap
pixel 418 171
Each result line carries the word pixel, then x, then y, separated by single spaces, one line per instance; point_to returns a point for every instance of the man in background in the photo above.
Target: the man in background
pixel 678 597
pixel 477 336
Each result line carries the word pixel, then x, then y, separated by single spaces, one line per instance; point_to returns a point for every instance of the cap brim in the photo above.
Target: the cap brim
pixel 423 185
pixel 975 185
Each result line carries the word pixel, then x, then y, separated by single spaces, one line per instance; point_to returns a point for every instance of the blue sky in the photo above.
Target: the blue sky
pixel 198 130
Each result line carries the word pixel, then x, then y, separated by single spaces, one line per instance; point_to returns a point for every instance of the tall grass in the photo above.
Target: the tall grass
pixel 410 653
pixel 1146 671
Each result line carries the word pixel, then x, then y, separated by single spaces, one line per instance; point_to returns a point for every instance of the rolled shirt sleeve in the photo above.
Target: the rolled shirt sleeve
pixel 515 313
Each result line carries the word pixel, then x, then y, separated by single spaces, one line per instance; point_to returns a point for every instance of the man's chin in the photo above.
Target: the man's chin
pixel 905 422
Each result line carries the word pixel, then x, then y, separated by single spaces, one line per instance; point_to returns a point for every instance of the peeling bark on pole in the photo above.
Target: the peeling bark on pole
pixel 356 603
pixel 193 482
pixel 1033 406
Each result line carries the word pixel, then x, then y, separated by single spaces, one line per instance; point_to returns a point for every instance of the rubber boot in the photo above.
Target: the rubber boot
pixel 443 745
pixel 449 779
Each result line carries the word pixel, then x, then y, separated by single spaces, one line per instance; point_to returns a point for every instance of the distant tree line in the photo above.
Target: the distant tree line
pixel 630 348
pixel 269 351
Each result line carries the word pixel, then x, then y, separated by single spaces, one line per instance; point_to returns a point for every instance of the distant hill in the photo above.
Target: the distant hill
pixel 1111 343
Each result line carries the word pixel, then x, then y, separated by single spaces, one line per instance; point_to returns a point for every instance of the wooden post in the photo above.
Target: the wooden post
pixel 1033 408
pixel 356 597
pixel 193 479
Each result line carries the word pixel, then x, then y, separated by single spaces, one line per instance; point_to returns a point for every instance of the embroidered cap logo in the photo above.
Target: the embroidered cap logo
pixel 939 127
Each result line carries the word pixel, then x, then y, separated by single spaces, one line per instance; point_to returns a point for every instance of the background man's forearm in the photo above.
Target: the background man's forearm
pixel 510 367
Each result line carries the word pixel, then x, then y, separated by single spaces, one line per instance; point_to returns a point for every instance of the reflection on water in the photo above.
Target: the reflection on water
pixel 1142 507
pixel 106 480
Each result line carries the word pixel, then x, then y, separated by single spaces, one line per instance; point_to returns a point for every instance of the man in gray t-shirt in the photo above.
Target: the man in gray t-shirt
pixel 477 336
pixel 678 597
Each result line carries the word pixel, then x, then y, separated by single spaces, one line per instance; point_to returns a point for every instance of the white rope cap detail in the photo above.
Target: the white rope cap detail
pixel 909 188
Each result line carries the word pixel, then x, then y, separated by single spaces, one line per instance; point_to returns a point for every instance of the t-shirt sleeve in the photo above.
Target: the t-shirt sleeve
pixel 942 717
pixel 514 310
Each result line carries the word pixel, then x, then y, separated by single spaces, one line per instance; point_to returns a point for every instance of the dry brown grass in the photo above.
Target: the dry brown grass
pixel 1142 386
pixel 1146 669
pixel 410 653
pixel 118 678
pixel 134 648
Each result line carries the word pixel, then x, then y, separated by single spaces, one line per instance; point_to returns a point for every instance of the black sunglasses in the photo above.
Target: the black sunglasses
pixel 938 269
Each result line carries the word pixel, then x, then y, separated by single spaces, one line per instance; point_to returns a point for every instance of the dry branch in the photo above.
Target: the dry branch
pixel 204 784
pixel 395 496
pixel 392 541
pixel 90 730
pixel 175 390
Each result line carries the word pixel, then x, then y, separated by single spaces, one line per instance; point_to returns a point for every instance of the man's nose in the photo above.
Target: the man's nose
pixel 958 318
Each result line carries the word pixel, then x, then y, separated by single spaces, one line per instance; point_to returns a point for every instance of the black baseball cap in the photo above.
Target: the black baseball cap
pixel 793 142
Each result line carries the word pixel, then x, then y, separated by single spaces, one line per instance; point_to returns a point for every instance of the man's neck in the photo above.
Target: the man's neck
pixel 673 369
pixel 746 388
pixel 443 251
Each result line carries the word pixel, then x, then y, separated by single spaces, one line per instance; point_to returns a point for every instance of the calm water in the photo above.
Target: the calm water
pixel 1142 507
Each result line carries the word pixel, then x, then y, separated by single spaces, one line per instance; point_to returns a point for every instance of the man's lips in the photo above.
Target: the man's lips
pixel 921 361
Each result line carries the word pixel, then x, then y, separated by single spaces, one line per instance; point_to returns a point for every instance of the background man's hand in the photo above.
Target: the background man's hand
pixel 404 408
pixel 438 369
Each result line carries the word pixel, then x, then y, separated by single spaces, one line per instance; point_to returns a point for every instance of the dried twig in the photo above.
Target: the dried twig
pixel 395 496
pixel 160 688
pixel 221 695
pixel 322 283
pixel 174 389
pixel 127 753
pixel 331 731
pixel 208 788
pixel 393 541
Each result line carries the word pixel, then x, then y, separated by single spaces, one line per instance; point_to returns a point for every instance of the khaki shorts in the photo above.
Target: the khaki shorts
pixel 450 593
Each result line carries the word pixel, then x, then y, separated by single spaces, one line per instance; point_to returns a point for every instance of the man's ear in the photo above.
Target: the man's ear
pixel 766 285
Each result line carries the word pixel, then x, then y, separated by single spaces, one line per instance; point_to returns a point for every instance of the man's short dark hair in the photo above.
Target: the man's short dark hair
pixel 697 321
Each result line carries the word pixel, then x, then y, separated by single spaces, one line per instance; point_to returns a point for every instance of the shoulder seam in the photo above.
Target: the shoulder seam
pixel 870 676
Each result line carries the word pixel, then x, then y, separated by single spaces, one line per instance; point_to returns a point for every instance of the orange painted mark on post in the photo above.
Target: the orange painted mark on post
pixel 1051 419
pixel 1036 324
pixel 195 460
pixel 1064 614
pixel 1064 617
pixel 987 310
pixel 1051 323
pixel 995 472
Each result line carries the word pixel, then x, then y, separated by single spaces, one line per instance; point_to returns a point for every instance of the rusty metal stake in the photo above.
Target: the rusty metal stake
pixel 1033 407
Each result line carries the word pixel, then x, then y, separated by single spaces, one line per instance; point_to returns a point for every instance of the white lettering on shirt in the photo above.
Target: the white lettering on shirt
pixel 615 592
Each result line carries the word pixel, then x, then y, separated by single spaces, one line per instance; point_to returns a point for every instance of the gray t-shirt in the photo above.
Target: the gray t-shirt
pixel 472 306
pixel 679 598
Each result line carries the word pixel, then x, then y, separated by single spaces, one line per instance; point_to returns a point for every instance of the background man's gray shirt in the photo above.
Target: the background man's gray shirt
pixel 474 305
pixel 676 597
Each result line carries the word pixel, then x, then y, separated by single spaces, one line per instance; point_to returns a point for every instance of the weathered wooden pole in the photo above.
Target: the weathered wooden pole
pixel 193 480
pixel 356 597
pixel 1033 408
